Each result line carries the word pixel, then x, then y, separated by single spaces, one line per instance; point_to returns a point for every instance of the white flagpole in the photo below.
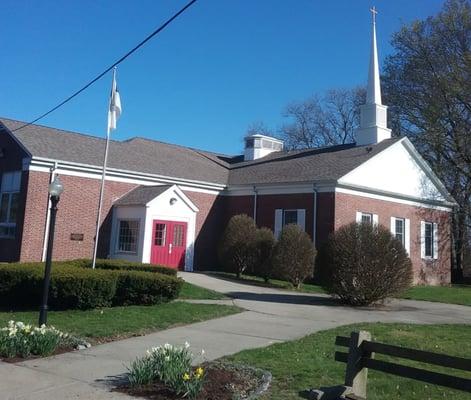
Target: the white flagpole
pixel 103 176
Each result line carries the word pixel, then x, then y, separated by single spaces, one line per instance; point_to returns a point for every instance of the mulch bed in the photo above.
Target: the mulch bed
pixel 58 351
pixel 223 381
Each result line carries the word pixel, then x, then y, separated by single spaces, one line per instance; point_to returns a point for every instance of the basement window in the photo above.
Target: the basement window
pixel 9 201
pixel 128 236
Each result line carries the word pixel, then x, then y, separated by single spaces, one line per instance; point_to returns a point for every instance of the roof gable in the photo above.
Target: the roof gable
pixel 398 170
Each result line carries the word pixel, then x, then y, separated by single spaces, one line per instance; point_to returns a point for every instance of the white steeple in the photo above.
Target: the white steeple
pixel 373 115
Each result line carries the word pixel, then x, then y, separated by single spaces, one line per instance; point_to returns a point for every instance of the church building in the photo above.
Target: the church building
pixel 168 204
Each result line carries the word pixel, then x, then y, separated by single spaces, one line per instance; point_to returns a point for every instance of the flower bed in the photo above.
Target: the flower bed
pixel 166 373
pixel 19 340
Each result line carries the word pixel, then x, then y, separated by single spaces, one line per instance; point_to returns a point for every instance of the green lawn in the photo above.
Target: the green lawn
pixel 119 322
pixel 309 362
pixel 193 292
pixel 273 283
pixel 456 294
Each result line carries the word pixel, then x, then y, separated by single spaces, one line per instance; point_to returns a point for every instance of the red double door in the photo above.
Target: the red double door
pixel 169 243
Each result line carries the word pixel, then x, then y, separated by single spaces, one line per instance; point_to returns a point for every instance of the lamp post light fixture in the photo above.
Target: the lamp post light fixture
pixel 55 190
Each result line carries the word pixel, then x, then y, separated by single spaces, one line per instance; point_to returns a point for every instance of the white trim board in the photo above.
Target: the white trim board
pixel 370 195
pixel 113 177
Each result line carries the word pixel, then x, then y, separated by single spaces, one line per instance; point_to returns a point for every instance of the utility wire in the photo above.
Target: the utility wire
pixel 157 31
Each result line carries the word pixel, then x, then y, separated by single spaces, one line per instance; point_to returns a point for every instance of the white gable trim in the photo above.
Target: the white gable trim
pixel 178 192
pixel 367 178
pixel 15 139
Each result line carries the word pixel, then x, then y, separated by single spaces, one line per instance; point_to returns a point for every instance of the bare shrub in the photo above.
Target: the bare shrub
pixel 293 255
pixel 237 250
pixel 363 264
pixel 264 242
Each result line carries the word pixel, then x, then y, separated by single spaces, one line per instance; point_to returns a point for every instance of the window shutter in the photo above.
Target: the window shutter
pixel 375 219
pixel 302 219
pixel 393 226
pixel 407 235
pixel 358 217
pixel 278 222
pixel 422 239
pixel 435 241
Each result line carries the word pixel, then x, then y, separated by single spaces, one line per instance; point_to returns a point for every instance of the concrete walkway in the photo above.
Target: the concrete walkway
pixel 272 316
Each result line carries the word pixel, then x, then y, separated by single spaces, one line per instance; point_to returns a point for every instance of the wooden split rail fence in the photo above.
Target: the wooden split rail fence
pixel 360 358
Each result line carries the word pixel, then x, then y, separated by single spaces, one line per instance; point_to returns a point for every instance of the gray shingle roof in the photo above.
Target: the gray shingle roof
pixel 137 154
pixel 141 195
pixel 158 158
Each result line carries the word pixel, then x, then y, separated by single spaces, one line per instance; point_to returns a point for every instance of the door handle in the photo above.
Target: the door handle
pixel 170 248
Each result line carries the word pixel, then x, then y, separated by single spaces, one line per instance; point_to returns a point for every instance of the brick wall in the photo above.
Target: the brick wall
pixel 425 271
pixel 209 228
pixel 77 211
pixel 11 159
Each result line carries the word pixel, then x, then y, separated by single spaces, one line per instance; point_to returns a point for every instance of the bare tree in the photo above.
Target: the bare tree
pixel 323 121
pixel 319 120
pixel 427 82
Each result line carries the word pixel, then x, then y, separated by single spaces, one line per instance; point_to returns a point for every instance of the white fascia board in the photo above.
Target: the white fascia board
pixel 423 165
pixel 427 169
pixel 114 174
pixel 393 197
pixel 179 193
pixel 287 188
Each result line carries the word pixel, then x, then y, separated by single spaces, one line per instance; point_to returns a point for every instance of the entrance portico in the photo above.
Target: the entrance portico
pixel 154 224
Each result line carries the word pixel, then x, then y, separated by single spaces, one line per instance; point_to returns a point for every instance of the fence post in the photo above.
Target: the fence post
pixel 355 375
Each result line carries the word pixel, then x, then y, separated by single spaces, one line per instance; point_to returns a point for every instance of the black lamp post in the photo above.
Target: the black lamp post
pixel 55 190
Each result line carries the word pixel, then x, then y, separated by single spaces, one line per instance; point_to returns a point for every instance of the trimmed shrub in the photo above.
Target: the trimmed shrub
pixel 363 264
pixel 122 265
pixel 237 250
pixel 82 288
pixel 146 288
pixel 77 288
pixel 293 255
pixel 264 242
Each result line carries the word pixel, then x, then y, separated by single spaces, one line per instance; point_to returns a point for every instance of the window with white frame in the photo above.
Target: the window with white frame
pixel 400 229
pixel 128 235
pixel 289 216
pixel 9 201
pixel 366 217
pixel 429 239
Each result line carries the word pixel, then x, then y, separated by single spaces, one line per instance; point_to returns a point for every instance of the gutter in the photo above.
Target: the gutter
pixel 314 214
pixel 255 197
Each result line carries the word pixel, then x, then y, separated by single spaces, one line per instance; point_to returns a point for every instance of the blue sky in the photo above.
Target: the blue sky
pixel 220 67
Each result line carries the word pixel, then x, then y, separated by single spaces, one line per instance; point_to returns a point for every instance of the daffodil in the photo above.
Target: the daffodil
pixel 186 377
pixel 199 372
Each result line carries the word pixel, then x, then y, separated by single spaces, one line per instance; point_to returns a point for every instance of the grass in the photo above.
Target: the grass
pixel 273 283
pixel 309 362
pixel 455 294
pixel 193 292
pixel 120 322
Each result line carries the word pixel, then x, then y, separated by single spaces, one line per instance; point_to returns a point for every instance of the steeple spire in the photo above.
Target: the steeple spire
pixel 373 115
pixel 373 94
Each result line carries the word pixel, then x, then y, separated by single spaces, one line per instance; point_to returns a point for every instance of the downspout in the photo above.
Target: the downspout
pixel 255 195
pixel 314 214
pixel 48 212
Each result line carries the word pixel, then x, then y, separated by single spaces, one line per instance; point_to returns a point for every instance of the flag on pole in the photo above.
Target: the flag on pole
pixel 114 110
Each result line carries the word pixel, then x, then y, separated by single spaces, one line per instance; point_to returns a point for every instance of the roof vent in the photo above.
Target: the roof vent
pixel 257 146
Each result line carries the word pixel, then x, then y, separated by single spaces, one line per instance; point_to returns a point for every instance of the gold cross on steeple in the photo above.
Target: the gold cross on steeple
pixel 374 12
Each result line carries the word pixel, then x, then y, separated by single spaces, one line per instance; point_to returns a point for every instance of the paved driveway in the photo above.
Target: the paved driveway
pixel 272 316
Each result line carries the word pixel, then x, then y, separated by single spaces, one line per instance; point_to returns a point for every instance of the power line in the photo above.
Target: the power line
pixel 157 31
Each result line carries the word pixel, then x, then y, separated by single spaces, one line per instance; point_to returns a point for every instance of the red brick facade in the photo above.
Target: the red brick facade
pixel 425 271
pixel 77 214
